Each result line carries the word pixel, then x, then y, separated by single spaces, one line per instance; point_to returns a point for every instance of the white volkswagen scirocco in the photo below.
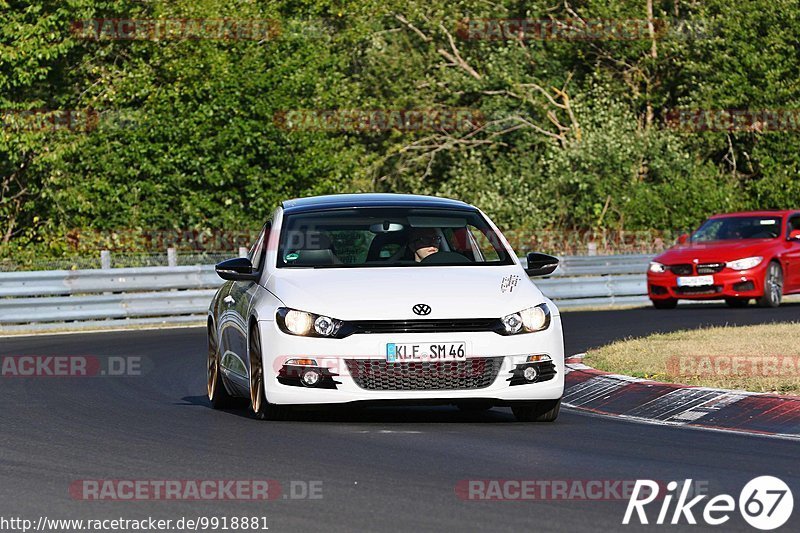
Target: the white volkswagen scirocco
pixel 384 298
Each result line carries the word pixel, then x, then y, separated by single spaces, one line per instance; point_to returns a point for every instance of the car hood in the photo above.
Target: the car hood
pixel 389 293
pixel 714 251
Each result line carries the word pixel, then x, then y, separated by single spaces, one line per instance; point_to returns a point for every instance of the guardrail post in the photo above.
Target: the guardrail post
pixel 172 257
pixel 105 259
pixel 242 251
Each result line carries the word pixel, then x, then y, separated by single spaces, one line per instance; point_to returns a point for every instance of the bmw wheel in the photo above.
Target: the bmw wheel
pixel 669 303
pixel 737 302
pixel 262 409
pixel 773 286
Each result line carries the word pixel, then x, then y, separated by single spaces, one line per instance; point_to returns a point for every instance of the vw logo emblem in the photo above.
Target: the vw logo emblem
pixel 421 309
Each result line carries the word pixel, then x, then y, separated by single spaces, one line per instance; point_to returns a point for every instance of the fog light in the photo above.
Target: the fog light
pixel 530 374
pixel 310 378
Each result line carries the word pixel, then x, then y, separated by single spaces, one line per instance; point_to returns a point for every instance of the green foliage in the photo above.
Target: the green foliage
pixel 575 134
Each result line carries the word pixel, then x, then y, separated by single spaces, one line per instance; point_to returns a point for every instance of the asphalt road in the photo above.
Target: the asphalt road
pixel 382 469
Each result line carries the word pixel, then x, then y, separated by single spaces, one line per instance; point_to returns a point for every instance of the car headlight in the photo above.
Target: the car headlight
pixel 306 324
pixel 745 264
pixel 658 268
pixel 527 321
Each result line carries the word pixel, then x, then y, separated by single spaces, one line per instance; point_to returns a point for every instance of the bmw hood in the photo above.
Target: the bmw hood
pixel 712 251
pixel 390 293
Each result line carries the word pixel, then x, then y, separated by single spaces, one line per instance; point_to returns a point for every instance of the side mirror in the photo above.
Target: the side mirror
pixel 236 269
pixel 683 238
pixel 541 264
pixel 794 235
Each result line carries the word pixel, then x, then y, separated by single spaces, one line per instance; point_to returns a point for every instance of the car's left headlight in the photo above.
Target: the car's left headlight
pixel 745 264
pixel 527 321
pixel 306 324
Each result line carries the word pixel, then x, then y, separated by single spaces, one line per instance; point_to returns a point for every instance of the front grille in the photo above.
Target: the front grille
pixel 426 326
pixel 377 374
pixel 712 289
pixel 681 270
pixel 710 268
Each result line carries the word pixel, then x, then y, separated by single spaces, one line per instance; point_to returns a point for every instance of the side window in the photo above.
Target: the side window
pixel 256 254
pixel 794 223
pixel 486 247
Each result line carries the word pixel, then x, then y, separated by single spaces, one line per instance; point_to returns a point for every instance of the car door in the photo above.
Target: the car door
pixel 236 307
pixel 792 257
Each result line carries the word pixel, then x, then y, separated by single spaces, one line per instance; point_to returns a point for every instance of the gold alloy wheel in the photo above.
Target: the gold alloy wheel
pixel 256 372
pixel 212 365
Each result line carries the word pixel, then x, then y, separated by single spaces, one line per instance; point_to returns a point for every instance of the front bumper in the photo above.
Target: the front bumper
pixel 332 354
pixel 727 284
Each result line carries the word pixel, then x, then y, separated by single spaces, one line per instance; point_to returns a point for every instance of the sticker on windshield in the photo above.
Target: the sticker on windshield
pixel 291 257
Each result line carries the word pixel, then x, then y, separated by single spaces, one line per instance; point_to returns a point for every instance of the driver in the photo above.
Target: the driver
pixel 424 242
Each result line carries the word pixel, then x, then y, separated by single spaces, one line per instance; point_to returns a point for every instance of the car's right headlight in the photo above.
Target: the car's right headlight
pixel 745 264
pixel 304 324
pixel 657 268
pixel 527 321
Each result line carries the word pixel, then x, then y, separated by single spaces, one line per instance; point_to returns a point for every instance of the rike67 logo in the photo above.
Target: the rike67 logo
pixel 765 503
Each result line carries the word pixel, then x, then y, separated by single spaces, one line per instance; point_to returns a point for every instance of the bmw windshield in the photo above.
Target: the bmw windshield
pixel 738 228
pixel 389 237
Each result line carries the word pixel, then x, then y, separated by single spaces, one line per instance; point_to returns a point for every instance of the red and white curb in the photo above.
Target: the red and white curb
pixel 642 400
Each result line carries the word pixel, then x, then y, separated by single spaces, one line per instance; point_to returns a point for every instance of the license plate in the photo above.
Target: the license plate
pixel 695 281
pixel 426 351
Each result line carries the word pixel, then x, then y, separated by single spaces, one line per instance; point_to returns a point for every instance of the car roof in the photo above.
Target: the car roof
pixel 343 201
pixel 773 213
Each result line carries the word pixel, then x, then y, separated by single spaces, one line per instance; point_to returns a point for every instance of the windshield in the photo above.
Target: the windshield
pixel 389 237
pixel 737 228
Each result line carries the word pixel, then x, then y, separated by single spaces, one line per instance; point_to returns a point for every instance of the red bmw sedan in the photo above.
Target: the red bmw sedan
pixel 735 257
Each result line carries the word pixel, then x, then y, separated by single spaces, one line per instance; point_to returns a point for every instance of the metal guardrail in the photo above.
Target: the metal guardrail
pixel 175 294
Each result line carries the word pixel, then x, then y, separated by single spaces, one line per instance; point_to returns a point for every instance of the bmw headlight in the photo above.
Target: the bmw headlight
pixel 306 324
pixel 658 268
pixel 527 321
pixel 745 264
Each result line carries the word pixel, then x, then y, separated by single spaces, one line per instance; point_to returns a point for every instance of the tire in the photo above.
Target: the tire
pixel 737 302
pixel 260 407
pixel 669 303
pixel 218 395
pixel 773 286
pixel 541 411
